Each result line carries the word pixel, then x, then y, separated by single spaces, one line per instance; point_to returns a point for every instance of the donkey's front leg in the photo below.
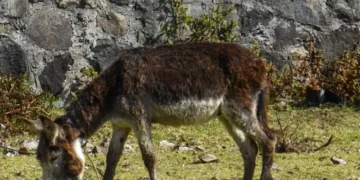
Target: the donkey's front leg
pixel 115 150
pixel 143 134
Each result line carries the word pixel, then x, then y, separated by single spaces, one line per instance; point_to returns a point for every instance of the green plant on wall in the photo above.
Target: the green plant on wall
pixel 87 75
pixel 176 28
pixel 214 26
pixel 211 27
pixel 89 72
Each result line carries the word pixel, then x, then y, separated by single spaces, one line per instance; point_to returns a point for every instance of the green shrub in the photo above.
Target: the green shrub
pixel 19 102
pixel 340 76
pixel 343 77
pixel 312 69
pixel 211 27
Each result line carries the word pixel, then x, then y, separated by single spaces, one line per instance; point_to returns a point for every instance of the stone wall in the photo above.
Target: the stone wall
pixel 51 40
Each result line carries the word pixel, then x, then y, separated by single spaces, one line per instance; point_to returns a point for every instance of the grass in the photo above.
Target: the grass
pixel 311 126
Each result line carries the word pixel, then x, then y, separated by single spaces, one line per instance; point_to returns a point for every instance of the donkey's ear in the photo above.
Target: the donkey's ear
pixel 47 124
pixel 44 124
pixel 37 124
pixel 49 127
pixel 40 124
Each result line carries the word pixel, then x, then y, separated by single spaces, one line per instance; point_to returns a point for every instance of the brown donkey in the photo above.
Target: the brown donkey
pixel 172 85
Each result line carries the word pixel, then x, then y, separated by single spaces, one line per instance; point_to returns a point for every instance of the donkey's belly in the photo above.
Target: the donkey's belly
pixel 187 112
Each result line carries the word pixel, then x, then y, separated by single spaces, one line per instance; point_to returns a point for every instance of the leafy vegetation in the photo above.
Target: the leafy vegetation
pixel 211 27
pixel 87 75
pixel 340 76
pixel 19 102
pixel 343 76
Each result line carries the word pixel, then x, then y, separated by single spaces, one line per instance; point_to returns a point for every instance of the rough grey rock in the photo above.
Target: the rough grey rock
pixel 278 26
pixel 346 10
pixel 285 35
pixel 52 32
pixel 150 15
pixel 67 3
pixel 105 53
pixel 121 2
pixel 92 3
pixel 17 8
pixel 250 18
pixel 36 1
pixel 12 58
pixel 140 37
pixel 344 36
pixel 114 23
pixel 53 76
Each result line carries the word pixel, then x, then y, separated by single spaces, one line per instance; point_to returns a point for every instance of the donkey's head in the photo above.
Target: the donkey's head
pixel 59 151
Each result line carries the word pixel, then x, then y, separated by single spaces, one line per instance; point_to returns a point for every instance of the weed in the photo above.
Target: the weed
pixel 290 136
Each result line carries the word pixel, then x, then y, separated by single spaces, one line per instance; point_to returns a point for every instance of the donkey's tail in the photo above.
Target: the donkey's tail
pixel 261 113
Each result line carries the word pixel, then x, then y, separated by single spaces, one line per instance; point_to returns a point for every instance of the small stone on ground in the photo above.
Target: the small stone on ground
pixel 208 158
pixel 336 160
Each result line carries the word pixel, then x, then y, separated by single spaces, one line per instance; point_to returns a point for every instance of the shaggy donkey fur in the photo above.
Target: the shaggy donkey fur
pixel 173 85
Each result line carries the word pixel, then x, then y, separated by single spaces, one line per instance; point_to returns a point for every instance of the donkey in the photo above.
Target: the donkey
pixel 173 85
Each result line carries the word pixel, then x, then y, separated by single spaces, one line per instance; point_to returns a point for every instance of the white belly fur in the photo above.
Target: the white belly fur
pixel 187 112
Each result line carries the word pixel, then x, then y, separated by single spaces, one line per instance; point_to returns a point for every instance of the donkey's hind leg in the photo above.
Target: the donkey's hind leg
pixel 116 147
pixel 247 146
pixel 247 120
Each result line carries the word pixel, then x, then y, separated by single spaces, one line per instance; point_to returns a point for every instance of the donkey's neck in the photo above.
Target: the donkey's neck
pixel 87 119
pixel 87 114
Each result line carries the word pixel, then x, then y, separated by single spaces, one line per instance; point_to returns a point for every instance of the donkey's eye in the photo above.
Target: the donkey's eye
pixel 54 148
pixel 54 152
